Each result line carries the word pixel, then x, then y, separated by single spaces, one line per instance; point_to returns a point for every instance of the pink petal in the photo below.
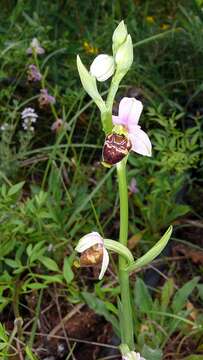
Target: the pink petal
pixel 140 142
pixel 130 110
pixel 116 120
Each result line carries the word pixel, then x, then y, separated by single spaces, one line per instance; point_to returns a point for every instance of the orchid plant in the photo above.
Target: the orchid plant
pixel 122 134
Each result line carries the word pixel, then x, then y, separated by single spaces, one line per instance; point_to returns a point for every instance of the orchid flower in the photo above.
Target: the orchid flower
pixel 129 113
pixel 93 251
pixel 132 355
pixel 35 47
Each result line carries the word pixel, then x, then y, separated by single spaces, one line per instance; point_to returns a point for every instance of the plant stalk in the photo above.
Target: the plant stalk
pixel 126 323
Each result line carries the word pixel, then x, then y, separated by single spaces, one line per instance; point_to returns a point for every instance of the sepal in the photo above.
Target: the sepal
pixel 89 83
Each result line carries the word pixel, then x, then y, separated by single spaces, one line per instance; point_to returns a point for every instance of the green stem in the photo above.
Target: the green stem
pixel 106 116
pixel 113 90
pixel 127 318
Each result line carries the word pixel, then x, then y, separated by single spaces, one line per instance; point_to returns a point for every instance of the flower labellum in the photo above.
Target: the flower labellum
pixel 102 67
pixel 129 113
pixel 116 147
pixel 93 252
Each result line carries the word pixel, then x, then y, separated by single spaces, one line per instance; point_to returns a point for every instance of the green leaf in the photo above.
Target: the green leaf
pixel 49 263
pixel 166 293
pixel 50 278
pixel 67 271
pixel 7 247
pixel 15 188
pixel 142 296
pixel 200 290
pixel 100 308
pixel 179 210
pixel 151 354
pixel 181 296
pixel 30 354
pixel 12 263
pixel 152 253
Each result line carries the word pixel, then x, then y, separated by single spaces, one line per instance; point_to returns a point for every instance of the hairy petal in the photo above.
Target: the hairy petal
pixel 105 263
pixel 88 241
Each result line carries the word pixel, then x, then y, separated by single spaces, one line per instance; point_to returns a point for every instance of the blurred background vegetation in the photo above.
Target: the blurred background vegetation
pixel 54 188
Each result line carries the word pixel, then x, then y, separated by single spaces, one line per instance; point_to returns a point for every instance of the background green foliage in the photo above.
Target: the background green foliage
pixel 53 187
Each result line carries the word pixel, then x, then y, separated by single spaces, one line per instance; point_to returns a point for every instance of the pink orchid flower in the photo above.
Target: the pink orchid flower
pixel 129 113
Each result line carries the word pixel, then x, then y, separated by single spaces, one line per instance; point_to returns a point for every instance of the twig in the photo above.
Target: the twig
pixel 75 340
pixel 65 319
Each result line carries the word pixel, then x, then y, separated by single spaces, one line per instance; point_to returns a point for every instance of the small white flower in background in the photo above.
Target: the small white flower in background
pixel 4 126
pixel 102 67
pixel 132 355
pixel 29 117
pixel 93 252
pixel 35 48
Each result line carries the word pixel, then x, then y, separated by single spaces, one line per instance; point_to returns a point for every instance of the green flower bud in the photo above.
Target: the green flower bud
pixel 119 36
pixel 124 56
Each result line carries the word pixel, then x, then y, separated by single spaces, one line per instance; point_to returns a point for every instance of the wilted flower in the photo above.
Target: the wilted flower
pixel 29 117
pixel 93 251
pixel 164 27
pixel 45 99
pixel 89 48
pixel 129 113
pixel 57 125
pixel 102 67
pixel 132 355
pixel 33 73
pixel 133 186
pixel 35 48
pixel 150 19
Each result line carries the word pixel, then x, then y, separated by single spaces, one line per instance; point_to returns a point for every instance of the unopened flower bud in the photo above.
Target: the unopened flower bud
pixel 102 67
pixel 115 148
pixel 92 256
pixel 119 36
pixel 124 55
